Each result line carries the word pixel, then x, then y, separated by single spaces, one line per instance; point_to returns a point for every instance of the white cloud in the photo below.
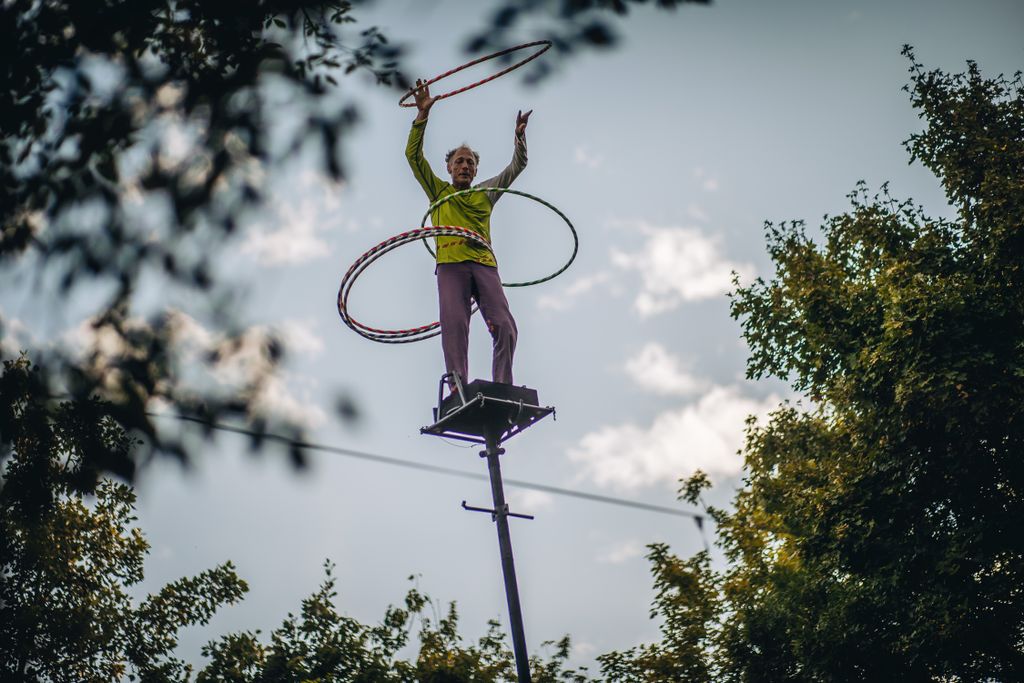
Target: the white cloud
pixel 295 241
pixel 582 649
pixel 190 332
pixel 298 219
pixel 568 296
pixel 103 341
pixel 242 364
pixel 583 156
pixel 274 394
pixel 622 552
pixel 528 501
pixel 176 145
pixel 677 264
pixel 703 435
pixel 300 336
pixel 657 370
pixel 14 336
pixel 275 397
pixel 170 94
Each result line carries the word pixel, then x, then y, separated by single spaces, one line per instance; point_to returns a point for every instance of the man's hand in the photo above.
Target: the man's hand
pixel 423 99
pixel 521 121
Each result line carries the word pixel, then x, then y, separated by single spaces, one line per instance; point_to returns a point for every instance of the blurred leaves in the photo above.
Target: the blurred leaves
pixel 571 26
pixel 134 139
pixel 574 23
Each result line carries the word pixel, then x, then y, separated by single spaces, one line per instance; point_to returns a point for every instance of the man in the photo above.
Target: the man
pixel 466 271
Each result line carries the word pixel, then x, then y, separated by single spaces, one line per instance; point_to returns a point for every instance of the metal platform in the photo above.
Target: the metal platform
pixel 483 409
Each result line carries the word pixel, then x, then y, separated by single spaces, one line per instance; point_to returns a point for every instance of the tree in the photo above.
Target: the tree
pixel 876 536
pixel 321 644
pixel 68 555
pixel 688 603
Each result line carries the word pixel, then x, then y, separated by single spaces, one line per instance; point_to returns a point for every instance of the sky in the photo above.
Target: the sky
pixel 668 154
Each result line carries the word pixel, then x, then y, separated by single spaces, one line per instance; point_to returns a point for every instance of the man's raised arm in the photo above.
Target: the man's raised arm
pixel 430 183
pixel 518 163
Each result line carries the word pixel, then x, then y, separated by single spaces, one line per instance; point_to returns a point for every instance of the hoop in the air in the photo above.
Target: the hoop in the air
pixel 546 46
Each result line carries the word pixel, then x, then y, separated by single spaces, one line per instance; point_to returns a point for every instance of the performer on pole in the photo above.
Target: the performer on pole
pixel 466 271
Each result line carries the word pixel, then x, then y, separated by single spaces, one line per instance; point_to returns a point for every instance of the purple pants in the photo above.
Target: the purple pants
pixel 458 284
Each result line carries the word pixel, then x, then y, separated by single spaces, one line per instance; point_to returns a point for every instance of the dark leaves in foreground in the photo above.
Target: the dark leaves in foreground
pixel 134 137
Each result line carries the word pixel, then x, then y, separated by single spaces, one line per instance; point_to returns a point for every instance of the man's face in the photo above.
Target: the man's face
pixel 462 167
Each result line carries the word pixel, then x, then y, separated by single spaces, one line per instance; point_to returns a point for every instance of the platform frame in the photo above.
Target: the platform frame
pixel 479 409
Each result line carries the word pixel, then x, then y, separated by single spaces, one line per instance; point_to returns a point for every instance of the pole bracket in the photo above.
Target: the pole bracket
pixel 494 513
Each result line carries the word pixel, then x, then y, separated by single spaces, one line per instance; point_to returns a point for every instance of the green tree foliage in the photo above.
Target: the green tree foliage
pixel 319 644
pixel 687 602
pixel 69 555
pixel 877 534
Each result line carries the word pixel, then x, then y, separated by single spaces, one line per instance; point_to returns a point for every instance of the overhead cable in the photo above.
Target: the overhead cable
pixel 438 469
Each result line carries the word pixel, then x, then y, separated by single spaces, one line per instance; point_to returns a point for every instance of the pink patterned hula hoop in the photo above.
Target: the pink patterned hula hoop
pixel 412 334
pixel 547 46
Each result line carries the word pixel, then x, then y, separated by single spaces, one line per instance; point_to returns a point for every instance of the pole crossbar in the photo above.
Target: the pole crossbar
pixel 494 513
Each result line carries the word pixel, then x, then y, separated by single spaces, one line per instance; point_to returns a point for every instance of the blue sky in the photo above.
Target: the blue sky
pixel 668 154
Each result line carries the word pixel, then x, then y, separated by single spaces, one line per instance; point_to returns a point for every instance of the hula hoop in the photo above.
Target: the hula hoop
pixel 547 46
pixel 575 237
pixel 355 270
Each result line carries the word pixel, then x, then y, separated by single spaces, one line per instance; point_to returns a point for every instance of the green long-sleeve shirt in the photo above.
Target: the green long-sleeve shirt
pixel 471 210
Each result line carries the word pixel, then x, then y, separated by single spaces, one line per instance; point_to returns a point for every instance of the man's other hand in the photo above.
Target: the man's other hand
pixel 521 121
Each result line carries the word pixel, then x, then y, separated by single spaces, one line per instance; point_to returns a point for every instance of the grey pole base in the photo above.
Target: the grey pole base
pixel 508 567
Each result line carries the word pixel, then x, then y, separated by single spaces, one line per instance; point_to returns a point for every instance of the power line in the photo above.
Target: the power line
pixel 438 469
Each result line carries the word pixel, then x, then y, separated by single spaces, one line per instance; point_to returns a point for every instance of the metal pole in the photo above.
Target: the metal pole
pixel 508 567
